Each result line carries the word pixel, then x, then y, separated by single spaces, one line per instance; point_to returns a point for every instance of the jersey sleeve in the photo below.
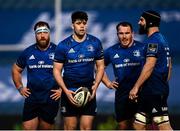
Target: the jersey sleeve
pixel 99 51
pixel 152 49
pixel 60 53
pixel 106 57
pixel 21 61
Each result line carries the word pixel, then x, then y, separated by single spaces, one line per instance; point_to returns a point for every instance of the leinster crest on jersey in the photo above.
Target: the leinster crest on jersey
pixel 51 56
pixel 90 48
pixel 136 53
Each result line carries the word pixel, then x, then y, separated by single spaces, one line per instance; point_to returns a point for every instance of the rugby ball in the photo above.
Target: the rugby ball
pixel 81 96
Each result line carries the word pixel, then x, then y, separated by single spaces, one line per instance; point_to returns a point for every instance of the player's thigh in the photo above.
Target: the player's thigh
pixel 30 111
pixel 152 106
pixel 48 113
pixel 86 122
pixel 160 110
pixel 90 109
pixel 70 123
pixel 67 108
pixel 31 124
pixel 125 109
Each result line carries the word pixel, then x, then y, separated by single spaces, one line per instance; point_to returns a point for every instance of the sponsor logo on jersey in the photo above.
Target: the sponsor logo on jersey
pixel 116 56
pixel 164 108
pixel 136 53
pixel 71 50
pixel 40 66
pixel 81 56
pixel 31 57
pixel 126 60
pixel 41 62
pixel 154 110
pixel 81 60
pixel 126 65
pixel 152 48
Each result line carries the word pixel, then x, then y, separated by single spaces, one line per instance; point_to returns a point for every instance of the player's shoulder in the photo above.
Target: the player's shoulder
pixel 156 37
pixel 67 41
pixel 52 46
pixel 27 51
pixel 138 43
pixel 92 38
pixel 113 47
pixel 30 48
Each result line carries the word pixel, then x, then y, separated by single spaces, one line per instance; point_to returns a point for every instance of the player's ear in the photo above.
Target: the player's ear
pixel 72 26
pixel 133 34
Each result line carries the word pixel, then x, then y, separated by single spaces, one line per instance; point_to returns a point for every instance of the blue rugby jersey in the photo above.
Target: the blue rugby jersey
pixel 39 66
pixel 127 64
pixel 79 59
pixel 157 46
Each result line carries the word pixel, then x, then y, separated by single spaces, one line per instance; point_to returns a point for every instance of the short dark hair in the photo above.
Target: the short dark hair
pixel 124 23
pixel 81 15
pixel 41 23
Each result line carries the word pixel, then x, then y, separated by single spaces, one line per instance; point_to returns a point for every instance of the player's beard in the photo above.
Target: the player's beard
pixel 142 29
pixel 43 43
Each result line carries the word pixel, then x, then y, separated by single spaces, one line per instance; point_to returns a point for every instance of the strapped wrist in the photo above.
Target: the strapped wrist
pixel 20 88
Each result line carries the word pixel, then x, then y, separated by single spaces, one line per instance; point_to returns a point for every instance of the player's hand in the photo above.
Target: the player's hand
pixel 113 85
pixel 93 94
pixel 25 92
pixel 133 94
pixel 70 94
pixel 56 94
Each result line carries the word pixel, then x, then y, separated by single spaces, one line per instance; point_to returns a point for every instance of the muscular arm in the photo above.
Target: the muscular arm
pixel 145 74
pixel 17 79
pixel 146 71
pixel 17 76
pixel 170 69
pixel 98 77
pixel 57 71
pixel 105 79
pixel 108 83
pixel 99 71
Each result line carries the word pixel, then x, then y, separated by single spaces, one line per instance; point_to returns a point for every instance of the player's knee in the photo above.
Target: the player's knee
pixel 126 124
pixel 139 126
pixel 161 119
pixel 69 127
pixel 122 126
pixel 85 126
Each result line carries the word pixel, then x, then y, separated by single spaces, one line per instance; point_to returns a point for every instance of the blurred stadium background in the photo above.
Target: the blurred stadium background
pixel 17 18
